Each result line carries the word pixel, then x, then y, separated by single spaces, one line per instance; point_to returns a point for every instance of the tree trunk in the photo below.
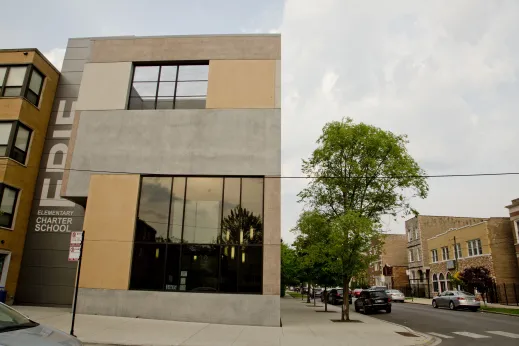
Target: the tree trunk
pixel 345 316
pixel 325 295
pixel 308 294
pixel 302 294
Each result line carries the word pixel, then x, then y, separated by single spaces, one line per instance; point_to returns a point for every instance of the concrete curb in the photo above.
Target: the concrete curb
pixel 498 313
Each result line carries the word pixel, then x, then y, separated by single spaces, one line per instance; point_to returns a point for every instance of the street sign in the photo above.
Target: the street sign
pixel 75 246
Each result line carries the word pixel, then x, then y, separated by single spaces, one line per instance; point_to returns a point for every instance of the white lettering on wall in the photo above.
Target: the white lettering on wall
pixel 57 167
pixel 55 201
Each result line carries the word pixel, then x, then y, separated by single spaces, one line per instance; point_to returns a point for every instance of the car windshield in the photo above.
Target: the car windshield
pixel 377 294
pixel 11 319
pixel 463 293
pixel 393 291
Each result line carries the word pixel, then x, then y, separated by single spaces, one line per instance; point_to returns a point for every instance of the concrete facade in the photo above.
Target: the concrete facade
pixel 154 142
pixel 513 209
pixel 14 173
pixel 259 310
pixel 236 134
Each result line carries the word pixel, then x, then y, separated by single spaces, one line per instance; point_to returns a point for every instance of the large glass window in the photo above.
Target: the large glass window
pixel 8 198
pixel 213 227
pixel 14 140
pixel 21 80
pixel 177 86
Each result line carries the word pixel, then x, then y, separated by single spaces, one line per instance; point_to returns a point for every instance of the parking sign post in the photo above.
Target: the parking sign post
pixel 75 254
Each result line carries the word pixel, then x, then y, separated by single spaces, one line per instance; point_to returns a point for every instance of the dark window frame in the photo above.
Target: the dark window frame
pixel 15 204
pixel 25 85
pixel 161 64
pixel 15 126
pixel 218 243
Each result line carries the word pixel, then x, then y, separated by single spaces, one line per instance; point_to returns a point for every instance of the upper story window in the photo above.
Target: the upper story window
pixel 516 223
pixel 8 198
pixel 21 80
pixel 14 140
pixel 475 247
pixel 434 255
pixel 445 253
pixel 171 86
pixel 457 251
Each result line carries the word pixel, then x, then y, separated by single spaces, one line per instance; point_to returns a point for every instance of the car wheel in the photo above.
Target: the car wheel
pixel 434 304
pixel 357 308
pixel 451 306
pixel 388 310
pixel 367 310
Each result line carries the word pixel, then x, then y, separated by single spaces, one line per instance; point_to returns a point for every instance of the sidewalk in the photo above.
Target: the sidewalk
pixel 426 301
pixel 301 326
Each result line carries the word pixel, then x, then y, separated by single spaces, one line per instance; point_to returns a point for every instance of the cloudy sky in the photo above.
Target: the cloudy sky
pixel 444 72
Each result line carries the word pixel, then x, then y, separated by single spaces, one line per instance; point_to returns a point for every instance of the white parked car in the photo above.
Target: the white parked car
pixel 17 330
pixel 396 295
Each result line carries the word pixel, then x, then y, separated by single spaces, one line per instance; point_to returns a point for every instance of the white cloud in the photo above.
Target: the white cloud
pixel 445 73
pixel 56 56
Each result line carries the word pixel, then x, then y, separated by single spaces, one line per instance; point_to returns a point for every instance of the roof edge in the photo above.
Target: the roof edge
pixel 36 50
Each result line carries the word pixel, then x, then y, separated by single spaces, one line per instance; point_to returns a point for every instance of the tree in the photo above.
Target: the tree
pixel 358 243
pixel 289 266
pixel 477 277
pixel 241 226
pixel 359 167
pixel 359 173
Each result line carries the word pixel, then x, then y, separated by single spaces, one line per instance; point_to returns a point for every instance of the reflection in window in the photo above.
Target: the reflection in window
pixel 148 267
pixel 154 209
pixel 214 228
pixel 200 267
pixel 14 140
pixel 177 210
pixel 24 80
pixel 169 87
pixel 203 210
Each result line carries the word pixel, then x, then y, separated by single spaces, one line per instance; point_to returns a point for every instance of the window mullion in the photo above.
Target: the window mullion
pixel 157 88
pixel 175 92
pixel 4 82
pixel 26 79
pixel 12 137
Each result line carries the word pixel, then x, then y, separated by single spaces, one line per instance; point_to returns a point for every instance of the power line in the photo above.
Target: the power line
pixel 59 170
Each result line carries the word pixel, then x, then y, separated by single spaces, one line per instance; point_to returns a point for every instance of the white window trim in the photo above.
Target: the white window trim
pixel 516 225
pixel 473 245
pixel 5 269
pixel 434 255
pixel 445 251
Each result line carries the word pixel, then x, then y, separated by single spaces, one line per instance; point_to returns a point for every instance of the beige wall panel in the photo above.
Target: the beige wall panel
pixel 106 264
pixel 272 211
pixel 111 207
pixel 271 269
pixel 187 48
pixel 241 84
pixel 278 84
pixel 109 226
pixel 104 86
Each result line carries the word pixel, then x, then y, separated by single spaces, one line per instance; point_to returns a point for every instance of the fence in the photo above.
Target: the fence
pixel 416 290
pixel 506 294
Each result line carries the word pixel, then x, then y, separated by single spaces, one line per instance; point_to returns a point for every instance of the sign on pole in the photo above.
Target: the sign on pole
pixel 75 246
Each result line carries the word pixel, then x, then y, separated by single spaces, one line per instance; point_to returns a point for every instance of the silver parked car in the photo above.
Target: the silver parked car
pixel 17 329
pixel 456 300
pixel 396 295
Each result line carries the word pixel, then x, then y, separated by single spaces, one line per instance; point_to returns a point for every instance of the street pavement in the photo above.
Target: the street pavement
pixel 457 327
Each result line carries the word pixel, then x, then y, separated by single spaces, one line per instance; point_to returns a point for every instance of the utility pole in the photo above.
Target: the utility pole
pixel 456 253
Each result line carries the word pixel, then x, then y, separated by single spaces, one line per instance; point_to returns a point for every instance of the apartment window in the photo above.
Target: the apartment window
pixel 411 255
pixel 416 233
pixel 417 254
pixel 434 255
pixel 21 80
pixel 445 253
pixel 8 198
pixel 14 140
pixel 475 247
pixel 172 86
pixel 409 235
pixel 199 234
pixel 516 231
pixel 457 251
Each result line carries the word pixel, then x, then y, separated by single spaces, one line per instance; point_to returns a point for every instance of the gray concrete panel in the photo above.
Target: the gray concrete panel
pixel 66 91
pixel 70 78
pixel 77 53
pixel 238 309
pixel 190 142
pixel 79 43
pixel 73 66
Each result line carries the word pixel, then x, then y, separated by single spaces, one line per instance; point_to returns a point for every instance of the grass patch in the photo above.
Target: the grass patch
pixel 408 298
pixel 295 294
pixel 502 310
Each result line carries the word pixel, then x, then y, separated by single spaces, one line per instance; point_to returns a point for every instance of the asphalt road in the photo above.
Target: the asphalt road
pixel 455 327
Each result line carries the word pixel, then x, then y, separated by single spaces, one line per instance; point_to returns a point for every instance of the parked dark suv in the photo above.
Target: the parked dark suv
pixel 373 300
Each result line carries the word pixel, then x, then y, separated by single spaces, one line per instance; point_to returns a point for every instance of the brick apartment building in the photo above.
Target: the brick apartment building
pixel 513 209
pixel 418 230
pixel 488 244
pixel 393 256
